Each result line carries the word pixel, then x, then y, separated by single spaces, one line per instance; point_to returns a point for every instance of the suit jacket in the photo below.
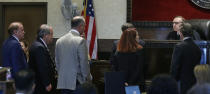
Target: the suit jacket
pixel 173 36
pixel 41 62
pixel 114 48
pixel 185 57
pixel 71 61
pixel 13 55
pixel 132 64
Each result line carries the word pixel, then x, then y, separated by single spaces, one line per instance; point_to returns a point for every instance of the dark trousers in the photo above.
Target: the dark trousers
pixel 67 91
pixel 86 88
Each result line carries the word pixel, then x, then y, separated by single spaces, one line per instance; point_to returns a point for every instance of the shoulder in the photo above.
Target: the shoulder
pixel 78 39
pixel 116 41
pixel 36 45
pixel 11 43
pixel 173 32
pixel 141 42
pixel 181 45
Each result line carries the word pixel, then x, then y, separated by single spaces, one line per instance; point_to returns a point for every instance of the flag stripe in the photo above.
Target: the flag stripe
pixel 86 26
pixel 92 42
pixel 90 29
pixel 89 34
pixel 94 55
pixel 95 49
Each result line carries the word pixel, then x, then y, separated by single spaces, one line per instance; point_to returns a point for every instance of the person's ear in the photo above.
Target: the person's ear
pixel 15 31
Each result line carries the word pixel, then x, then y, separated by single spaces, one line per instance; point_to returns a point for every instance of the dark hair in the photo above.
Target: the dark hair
pixel 128 41
pixel 24 79
pixel 186 30
pixel 76 21
pixel 125 26
pixel 43 30
pixel 13 26
pixel 163 84
pixel 200 89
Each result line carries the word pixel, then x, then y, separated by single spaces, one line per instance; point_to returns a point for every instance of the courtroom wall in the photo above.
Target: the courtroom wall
pixel 110 15
pixel 166 10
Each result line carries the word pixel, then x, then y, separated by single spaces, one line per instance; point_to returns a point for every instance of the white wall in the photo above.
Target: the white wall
pixel 110 15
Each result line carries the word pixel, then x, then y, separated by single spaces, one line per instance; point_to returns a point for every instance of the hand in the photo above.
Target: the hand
pixel 181 36
pixel 49 88
pixel 126 84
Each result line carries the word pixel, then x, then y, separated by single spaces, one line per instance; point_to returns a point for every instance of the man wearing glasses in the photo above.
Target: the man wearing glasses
pixel 175 34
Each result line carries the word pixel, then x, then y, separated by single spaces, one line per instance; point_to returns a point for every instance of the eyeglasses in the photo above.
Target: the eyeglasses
pixel 176 22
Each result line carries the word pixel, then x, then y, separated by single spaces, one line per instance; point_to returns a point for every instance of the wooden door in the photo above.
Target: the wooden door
pixel 32 15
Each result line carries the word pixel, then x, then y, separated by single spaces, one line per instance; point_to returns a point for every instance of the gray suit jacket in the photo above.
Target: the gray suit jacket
pixel 71 61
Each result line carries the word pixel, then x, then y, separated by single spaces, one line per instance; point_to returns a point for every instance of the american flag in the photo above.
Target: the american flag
pixel 90 28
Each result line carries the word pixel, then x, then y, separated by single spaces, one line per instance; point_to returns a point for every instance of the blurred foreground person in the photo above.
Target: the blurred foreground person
pixel 24 81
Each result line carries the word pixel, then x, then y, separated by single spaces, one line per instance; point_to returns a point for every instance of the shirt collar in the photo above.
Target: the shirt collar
pixel 43 42
pixel 186 38
pixel 16 38
pixel 178 33
pixel 19 93
pixel 74 30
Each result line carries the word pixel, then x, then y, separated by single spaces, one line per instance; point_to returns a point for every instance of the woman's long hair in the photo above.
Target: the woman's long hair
pixel 128 42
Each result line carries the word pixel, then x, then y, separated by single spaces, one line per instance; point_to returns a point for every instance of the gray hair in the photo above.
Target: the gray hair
pixel 43 30
pixel 183 19
pixel 76 21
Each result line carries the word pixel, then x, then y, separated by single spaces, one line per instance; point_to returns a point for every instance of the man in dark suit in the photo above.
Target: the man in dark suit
pixel 12 53
pixel 175 34
pixel 185 57
pixel 41 62
pixel 114 46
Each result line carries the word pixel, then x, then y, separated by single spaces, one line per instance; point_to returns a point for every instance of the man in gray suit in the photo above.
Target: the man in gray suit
pixel 72 58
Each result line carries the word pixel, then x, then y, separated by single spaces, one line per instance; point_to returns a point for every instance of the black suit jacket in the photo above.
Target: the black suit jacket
pixel 132 64
pixel 173 36
pixel 185 57
pixel 114 48
pixel 41 62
